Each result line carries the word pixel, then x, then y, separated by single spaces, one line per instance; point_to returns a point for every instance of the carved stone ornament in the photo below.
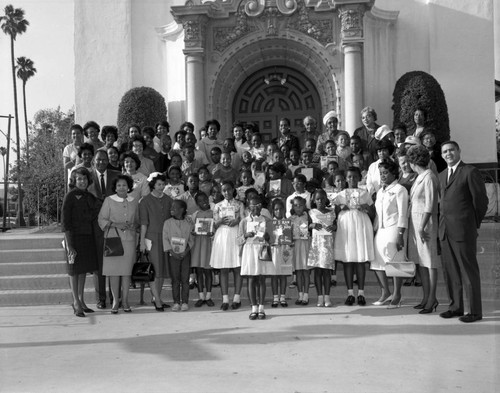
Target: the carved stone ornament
pixel 351 22
pixel 225 36
pixel 193 32
pixel 320 30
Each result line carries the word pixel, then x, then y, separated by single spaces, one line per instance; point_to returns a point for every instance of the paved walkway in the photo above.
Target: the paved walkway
pixel 298 349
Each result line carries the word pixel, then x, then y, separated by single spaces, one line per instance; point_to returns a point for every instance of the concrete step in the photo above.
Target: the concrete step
pixel 35 282
pixel 32 268
pixel 32 255
pixel 28 241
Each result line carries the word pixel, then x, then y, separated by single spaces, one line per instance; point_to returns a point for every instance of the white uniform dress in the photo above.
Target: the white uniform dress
pixel 250 247
pixel 354 240
pixel 392 213
pixel 225 249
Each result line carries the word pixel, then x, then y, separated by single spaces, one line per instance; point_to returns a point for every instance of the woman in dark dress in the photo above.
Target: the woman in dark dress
pixel 79 215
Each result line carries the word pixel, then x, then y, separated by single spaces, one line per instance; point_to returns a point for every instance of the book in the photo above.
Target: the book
pixel 178 244
pixel 303 231
pixel 274 187
pixel 282 230
pixel 260 179
pixel 204 226
pixel 227 211
pixel 325 220
pixel 257 227
pixel 174 191
pixel 352 196
pixel 324 160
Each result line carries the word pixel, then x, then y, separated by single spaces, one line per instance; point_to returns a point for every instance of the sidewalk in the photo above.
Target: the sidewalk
pixel 296 349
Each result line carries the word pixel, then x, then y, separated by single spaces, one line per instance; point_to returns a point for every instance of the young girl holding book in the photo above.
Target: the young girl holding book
pixel 321 256
pixel 253 234
pixel 282 252
pixel 203 220
pixel 225 250
pixel 300 229
pixel 178 242
pixel 354 241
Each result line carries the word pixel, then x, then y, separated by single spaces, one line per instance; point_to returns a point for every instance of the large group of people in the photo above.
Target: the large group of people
pixel 298 206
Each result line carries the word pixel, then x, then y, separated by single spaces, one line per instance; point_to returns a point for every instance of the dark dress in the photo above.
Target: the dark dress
pixel 79 215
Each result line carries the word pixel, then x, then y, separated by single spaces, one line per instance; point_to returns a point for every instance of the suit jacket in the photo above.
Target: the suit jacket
pixel 463 203
pixel 95 187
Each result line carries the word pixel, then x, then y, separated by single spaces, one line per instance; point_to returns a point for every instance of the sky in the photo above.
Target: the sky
pixel 48 41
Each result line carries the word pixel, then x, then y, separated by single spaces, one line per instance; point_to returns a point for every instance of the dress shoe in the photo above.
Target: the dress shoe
pixel 78 311
pixel 274 304
pixel 392 305
pixel 298 302
pixel 199 303
pixel 283 303
pixel 253 316
pixel 88 310
pixel 450 314
pixel 210 303
pixel 361 300
pixel 261 315
pixel 430 309
pixel 382 302
pixel 350 300
pixel 101 305
pixel 420 306
pixel 470 318
pixel 224 306
pixel 305 302
pixel 127 309
pixel 235 305
pixel 184 307
pixel 114 311
pixel 177 307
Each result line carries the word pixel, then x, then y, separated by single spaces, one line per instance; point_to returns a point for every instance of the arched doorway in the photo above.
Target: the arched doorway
pixel 275 92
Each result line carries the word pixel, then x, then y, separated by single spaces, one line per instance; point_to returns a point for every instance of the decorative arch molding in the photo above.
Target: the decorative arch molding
pixel 256 51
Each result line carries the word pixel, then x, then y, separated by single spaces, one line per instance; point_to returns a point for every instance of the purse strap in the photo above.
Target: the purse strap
pixel 107 232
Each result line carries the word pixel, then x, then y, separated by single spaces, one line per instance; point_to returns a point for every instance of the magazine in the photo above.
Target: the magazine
pixel 282 230
pixel 325 220
pixel 274 187
pixel 227 211
pixel 324 160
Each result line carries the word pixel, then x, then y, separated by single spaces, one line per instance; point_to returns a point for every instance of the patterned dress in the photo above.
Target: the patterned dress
pixel 321 251
pixel 301 239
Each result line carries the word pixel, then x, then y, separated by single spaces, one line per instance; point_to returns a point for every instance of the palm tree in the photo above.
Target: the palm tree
pixel 12 24
pixel 25 70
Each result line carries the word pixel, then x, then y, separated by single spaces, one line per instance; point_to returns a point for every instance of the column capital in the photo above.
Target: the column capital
pixel 351 19
pixel 194 32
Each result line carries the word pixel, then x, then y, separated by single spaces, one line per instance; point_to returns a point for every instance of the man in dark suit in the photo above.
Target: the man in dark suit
pixel 101 187
pixel 463 205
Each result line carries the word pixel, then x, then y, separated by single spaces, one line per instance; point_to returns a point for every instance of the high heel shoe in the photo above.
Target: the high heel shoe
pixel 78 312
pixel 420 306
pixel 392 306
pixel 431 309
pixel 382 302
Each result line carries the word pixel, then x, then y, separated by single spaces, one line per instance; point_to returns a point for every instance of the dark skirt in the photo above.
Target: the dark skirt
pixel 86 255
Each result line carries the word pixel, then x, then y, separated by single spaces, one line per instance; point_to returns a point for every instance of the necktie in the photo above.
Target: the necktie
pixel 450 174
pixel 103 186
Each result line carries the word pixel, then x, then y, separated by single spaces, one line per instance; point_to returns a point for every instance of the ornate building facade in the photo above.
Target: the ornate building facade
pixel 260 60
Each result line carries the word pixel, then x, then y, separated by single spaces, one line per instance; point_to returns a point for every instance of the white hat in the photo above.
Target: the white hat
pixel 412 140
pixel 153 175
pixel 328 115
pixel 381 132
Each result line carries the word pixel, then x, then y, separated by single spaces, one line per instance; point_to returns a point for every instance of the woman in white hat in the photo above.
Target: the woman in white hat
pixel 331 122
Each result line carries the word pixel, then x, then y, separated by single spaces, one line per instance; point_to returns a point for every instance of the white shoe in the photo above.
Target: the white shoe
pixel 184 307
pixel 176 307
pixel 382 302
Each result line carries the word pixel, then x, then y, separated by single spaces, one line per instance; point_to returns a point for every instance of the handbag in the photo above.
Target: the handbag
pixel 113 245
pixel 404 269
pixel 265 253
pixel 143 270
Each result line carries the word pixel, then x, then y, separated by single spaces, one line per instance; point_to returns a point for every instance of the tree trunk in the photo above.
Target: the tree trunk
pixel 26 125
pixel 20 218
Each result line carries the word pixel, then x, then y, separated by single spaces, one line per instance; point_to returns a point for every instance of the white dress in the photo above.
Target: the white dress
pixel 321 251
pixel 225 249
pixel 250 248
pixel 354 240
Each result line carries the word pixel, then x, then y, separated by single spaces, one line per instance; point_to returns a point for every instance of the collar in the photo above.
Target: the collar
pixel 116 198
pixel 390 186
pixel 99 173
pixel 454 167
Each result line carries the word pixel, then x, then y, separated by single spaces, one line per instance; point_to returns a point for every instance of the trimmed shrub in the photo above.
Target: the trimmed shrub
pixel 143 106
pixel 418 89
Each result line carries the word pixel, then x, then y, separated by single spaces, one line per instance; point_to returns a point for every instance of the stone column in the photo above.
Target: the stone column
pixel 195 89
pixel 352 46
pixel 194 52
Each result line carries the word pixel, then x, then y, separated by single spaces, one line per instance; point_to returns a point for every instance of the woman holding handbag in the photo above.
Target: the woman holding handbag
pixel 392 215
pixel 423 226
pixel 79 214
pixel 118 220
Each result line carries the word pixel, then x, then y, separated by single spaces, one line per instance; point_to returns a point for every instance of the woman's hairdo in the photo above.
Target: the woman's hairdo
pixel 418 155
pixel 369 110
pixel 79 171
pixel 133 156
pixel 127 178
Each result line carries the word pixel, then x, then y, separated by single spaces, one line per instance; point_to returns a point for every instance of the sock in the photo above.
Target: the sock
pixel 320 299
pixel 276 298
pixel 282 298
pixel 261 308
pixel 301 296
pixel 327 299
pixel 201 295
pixel 225 298
pixel 306 297
pixel 361 292
pixel 192 277
pixel 236 299
pixel 208 296
pixel 350 292
pixel 255 308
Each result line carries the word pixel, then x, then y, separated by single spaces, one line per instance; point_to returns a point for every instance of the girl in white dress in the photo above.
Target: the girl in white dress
pixel 321 255
pixel 354 240
pixel 225 251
